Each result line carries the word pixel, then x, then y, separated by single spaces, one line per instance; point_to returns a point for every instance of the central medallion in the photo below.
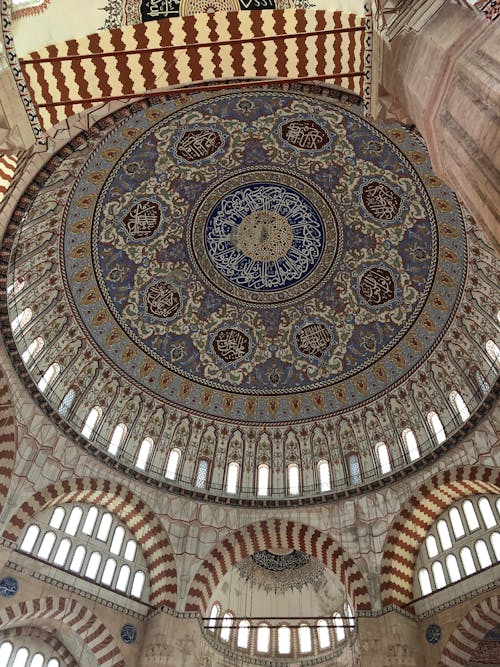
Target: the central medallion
pixel 270 236
pixel 264 236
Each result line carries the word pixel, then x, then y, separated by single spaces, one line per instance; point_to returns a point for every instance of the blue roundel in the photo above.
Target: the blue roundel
pixel 8 587
pixel 433 633
pixel 128 633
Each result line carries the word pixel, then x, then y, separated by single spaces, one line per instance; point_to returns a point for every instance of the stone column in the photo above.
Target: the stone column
pixel 445 77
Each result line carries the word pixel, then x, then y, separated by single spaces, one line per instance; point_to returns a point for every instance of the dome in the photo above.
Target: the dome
pixel 258 278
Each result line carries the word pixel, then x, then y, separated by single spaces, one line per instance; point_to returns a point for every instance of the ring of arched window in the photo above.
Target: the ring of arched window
pixel 263 480
pixel 172 463
pixel 324 476
pixel 293 479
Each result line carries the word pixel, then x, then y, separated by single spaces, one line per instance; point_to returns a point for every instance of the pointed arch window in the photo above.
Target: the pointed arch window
pixel 130 550
pixel 67 402
pixel 354 469
pixel 21 658
pixel 243 634
pixel 452 567
pixel 438 574
pixel 431 546
pixel 57 518
pixel 263 481
pixel 202 474
pixel 117 438
pixel 293 479
pixel 383 457
pixel 324 476
pixel 62 552
pixel 138 584
pixel 90 521
pixel 49 376
pixel 172 463
pixel 233 475
pixel 482 554
pixel 6 649
pixel 459 406
pixel 323 634
pixel 123 577
pixel 436 426
pixel 22 319
pixel 338 624
pixel 33 349
pixel 425 581
pixel 226 625
pixel 90 423
pixel 411 444
pixel 93 565
pixel 487 512
pixel 74 520
pixel 117 541
pixel 30 539
pixel 456 523
pixel 444 534
pixel 78 558
pixel 104 526
pixel 481 382
pixel 108 572
pixel 263 638
pixel 214 613
pixel 284 640
pixel 305 642
pixel 467 561
pixel 45 548
pixel 470 515
pixel 493 351
pixel 144 452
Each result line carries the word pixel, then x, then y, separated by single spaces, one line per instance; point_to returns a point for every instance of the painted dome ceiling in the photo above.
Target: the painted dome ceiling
pixel 259 258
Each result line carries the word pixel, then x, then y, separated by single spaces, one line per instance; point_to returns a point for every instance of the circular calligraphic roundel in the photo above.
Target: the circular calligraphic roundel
pixel 270 237
pixel 266 256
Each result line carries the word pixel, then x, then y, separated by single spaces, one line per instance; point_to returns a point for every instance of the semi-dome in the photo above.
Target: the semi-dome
pixel 250 294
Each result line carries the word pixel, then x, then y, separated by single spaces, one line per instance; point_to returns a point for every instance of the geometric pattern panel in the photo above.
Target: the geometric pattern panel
pixel 7 438
pixel 412 524
pixel 47 638
pixel 134 513
pixel 276 533
pixel 466 637
pixel 125 62
pixel 93 633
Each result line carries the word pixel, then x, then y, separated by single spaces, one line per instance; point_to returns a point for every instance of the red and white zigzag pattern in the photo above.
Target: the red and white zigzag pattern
pixel 412 524
pixel 280 534
pixel 7 439
pixel 95 634
pixel 465 638
pixel 134 513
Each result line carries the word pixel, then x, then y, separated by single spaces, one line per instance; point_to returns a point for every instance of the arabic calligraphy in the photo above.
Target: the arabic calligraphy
pixel 162 300
pixel 377 286
pixel 313 339
pixel 380 201
pixel 142 221
pixel 273 256
pixel 305 134
pixel 231 345
pixel 198 144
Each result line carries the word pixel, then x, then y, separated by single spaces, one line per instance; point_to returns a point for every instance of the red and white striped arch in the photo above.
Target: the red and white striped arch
pixel 134 513
pixel 48 638
pixel 72 614
pixel 413 522
pixel 280 534
pixel 464 640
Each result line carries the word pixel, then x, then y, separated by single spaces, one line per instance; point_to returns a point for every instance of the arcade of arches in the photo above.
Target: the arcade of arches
pixel 250 333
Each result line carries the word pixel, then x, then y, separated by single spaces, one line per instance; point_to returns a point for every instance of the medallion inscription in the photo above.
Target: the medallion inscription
pixel 162 300
pixel 380 201
pixel 305 134
pixel 143 219
pixel 377 286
